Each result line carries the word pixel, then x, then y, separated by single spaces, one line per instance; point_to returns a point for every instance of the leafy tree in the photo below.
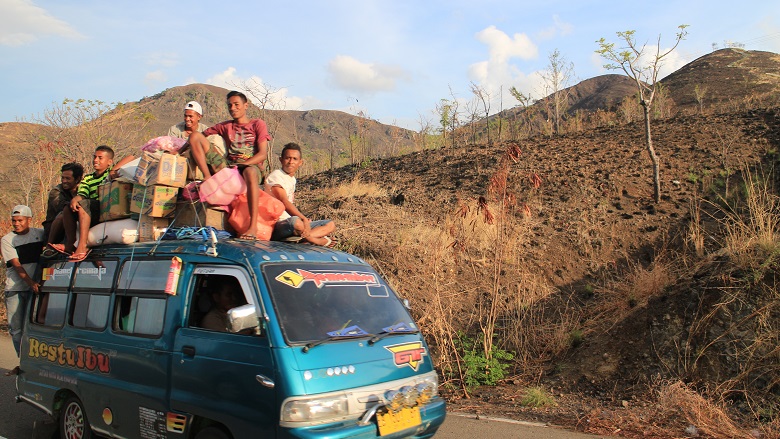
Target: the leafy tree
pixel 645 75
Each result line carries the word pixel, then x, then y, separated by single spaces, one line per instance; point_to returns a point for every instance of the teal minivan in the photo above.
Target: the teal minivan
pixel 229 339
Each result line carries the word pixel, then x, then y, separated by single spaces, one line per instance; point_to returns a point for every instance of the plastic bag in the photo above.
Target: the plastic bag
pixel 269 209
pixel 223 187
pixel 164 143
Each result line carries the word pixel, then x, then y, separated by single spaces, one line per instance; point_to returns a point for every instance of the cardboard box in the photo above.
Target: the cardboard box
pixel 164 169
pixel 151 228
pixel 196 214
pixel 157 201
pixel 114 200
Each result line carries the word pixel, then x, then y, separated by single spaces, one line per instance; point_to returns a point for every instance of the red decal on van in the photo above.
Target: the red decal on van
pixel 83 357
pixel 408 354
pixel 321 278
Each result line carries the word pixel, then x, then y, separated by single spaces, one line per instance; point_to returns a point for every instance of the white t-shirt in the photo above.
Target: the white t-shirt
pixel 279 178
pixel 27 248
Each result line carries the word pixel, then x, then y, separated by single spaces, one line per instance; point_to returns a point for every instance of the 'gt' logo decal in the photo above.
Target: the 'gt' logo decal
pixel 408 354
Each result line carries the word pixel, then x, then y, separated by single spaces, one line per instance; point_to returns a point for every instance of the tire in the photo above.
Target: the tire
pixel 213 432
pixel 73 420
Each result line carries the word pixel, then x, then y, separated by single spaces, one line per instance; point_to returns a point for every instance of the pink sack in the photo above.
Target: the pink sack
pixel 190 191
pixel 164 143
pixel 223 187
pixel 269 209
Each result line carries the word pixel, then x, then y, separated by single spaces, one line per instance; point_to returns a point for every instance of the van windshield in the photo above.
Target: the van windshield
pixel 317 301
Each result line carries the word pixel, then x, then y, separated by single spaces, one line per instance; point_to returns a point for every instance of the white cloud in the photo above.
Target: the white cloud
pixel 501 47
pixel 162 59
pixel 155 77
pixel 22 23
pixel 280 98
pixel 559 27
pixel 353 75
pixel 497 71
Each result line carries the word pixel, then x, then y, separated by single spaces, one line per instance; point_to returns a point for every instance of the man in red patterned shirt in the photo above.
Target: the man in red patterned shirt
pixel 246 142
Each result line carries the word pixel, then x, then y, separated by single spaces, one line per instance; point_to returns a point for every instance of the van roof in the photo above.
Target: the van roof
pixel 258 252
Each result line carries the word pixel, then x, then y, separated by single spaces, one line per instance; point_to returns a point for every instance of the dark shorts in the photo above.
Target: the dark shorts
pixel 92 207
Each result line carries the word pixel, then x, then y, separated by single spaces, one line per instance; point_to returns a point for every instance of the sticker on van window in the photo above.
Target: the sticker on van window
pixel 82 357
pixel 92 271
pixel 321 279
pixel 408 354
pixel 51 273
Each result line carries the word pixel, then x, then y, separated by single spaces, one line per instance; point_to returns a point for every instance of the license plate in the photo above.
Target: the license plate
pixel 390 422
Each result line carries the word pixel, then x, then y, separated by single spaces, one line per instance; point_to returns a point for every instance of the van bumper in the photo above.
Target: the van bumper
pixel 431 414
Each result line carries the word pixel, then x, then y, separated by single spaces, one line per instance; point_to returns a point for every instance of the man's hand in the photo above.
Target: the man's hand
pixel 306 227
pixel 74 203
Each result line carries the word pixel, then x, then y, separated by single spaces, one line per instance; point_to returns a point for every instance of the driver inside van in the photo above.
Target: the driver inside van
pixel 225 297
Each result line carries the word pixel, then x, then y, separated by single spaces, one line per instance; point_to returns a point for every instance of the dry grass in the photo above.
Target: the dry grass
pixel 357 188
pixel 706 416
pixel 752 231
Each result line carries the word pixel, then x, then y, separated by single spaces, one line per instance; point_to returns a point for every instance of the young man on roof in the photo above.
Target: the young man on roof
pixel 84 211
pixel 193 112
pixel 246 141
pixel 281 184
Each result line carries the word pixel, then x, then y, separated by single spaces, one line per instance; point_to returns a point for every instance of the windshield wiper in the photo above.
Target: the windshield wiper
pixel 397 329
pixel 341 334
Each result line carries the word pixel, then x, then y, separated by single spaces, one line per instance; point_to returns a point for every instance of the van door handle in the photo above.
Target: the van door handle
pixel 188 351
pixel 264 380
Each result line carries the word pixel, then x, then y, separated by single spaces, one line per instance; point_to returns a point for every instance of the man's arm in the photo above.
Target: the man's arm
pixel 12 259
pixel 23 275
pixel 280 194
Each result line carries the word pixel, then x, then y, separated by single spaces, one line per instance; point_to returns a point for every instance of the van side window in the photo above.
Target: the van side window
pixel 50 305
pixel 91 287
pixel 139 315
pixel 139 307
pixel 214 295
pixel 90 310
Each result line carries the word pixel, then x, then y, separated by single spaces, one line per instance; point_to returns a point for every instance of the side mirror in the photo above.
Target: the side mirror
pixel 243 318
pixel 407 305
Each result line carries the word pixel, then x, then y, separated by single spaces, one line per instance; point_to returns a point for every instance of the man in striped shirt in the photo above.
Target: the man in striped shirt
pixel 84 209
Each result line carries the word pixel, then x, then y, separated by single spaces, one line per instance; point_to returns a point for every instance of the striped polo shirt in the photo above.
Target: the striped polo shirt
pixel 88 188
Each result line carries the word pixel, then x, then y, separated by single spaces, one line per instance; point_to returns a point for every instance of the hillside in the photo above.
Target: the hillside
pixel 319 130
pixel 596 255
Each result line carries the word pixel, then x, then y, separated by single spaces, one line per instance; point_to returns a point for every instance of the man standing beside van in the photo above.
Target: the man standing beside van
pixel 21 249
pixel 281 184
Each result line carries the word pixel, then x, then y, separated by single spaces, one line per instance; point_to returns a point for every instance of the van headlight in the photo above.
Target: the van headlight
pixel 317 409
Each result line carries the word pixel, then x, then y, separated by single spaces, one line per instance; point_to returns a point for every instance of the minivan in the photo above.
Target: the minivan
pixel 214 339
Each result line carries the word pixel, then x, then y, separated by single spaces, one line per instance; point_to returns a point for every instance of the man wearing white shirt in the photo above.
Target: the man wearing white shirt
pixel 294 225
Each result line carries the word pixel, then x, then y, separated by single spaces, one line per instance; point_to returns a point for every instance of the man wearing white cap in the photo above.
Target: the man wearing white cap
pixel 192 115
pixel 21 249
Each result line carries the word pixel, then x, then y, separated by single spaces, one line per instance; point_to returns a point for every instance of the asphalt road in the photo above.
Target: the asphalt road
pixel 22 421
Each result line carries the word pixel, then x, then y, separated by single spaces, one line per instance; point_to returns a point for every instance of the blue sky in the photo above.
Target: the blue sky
pixel 393 60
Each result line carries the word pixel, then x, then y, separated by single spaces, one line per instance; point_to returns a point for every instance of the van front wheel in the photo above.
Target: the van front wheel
pixel 212 433
pixel 73 420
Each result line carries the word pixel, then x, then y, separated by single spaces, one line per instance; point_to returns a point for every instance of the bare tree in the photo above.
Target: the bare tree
pixel 69 132
pixel 557 79
pixel 270 100
pixel 645 75
pixel 699 91
pixel 482 94
pixel 421 137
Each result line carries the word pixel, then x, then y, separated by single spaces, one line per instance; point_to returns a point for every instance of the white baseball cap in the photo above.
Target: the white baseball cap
pixel 21 210
pixel 194 106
